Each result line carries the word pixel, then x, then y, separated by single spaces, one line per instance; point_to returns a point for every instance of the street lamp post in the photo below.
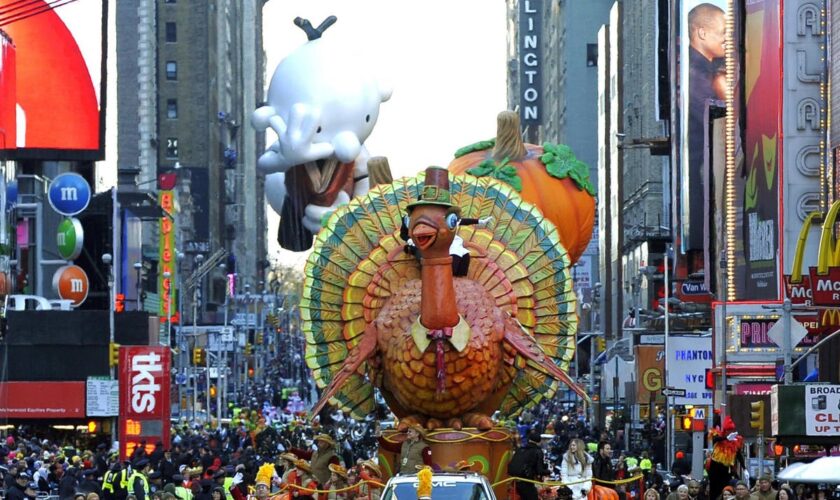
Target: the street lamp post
pixel 108 260
pixel 138 268
pixel 196 297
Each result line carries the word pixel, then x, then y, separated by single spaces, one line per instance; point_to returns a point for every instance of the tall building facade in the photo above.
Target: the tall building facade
pixel 552 72
pixel 190 74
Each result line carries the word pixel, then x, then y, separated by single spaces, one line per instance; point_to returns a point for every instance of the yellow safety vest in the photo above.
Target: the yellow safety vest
pixel 183 493
pixel 108 481
pixel 228 484
pixel 134 476
pixel 124 479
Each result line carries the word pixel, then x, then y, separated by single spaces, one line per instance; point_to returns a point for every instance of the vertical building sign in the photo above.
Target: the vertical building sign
pixel 530 57
pixel 144 397
pixel 167 262
pixel 805 124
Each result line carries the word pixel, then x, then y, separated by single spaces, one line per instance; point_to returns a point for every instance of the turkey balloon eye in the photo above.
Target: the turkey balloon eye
pixel 452 221
pixel 318 131
pixel 367 119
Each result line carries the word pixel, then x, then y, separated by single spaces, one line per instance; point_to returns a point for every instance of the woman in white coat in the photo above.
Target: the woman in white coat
pixel 576 469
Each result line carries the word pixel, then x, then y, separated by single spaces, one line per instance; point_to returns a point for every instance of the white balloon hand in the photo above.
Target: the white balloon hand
pixel 314 214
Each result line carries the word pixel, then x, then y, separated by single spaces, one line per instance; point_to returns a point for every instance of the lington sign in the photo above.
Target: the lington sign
pixel 530 57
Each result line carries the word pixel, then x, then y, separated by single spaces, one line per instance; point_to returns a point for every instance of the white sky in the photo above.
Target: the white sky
pixel 446 62
pixel 444 59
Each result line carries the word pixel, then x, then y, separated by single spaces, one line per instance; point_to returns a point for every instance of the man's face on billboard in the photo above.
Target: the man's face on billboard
pixel 709 34
pixel 715 36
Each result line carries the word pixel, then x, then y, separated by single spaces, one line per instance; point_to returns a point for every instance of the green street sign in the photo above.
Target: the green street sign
pixel 70 238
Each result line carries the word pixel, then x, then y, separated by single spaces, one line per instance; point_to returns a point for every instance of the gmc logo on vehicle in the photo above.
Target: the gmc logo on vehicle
pixel 144 388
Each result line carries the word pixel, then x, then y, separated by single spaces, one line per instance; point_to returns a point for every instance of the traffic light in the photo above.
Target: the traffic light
pixel 710 379
pixel 248 349
pixel 92 427
pixel 601 342
pixel 119 302
pixel 113 354
pixel 212 391
pixel 757 416
pixel 198 356
pixel 685 422
pixel 250 372
pixel 259 338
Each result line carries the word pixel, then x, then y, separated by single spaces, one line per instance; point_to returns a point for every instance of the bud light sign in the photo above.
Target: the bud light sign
pixel 69 194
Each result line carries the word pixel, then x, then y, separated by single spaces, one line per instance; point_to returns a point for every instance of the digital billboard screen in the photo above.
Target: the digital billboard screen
pixel 59 97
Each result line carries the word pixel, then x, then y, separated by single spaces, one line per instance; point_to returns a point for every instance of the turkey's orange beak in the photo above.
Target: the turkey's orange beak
pixel 424 235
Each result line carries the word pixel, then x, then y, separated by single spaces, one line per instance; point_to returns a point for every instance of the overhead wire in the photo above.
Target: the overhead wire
pixel 33 11
pixel 15 5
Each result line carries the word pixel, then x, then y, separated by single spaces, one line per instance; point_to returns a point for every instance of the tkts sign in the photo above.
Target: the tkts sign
pixel 144 396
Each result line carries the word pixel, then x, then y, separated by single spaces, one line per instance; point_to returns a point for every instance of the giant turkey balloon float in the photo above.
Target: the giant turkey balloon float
pixel 386 307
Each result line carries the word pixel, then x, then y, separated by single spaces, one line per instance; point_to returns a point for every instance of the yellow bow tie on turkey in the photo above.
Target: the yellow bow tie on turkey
pixel 459 339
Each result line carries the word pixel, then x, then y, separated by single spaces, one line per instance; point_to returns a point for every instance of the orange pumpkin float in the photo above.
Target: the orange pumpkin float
pixel 602 493
pixel 548 176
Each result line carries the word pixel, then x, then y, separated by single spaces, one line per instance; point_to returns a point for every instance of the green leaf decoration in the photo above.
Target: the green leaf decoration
pixel 478 146
pixel 560 163
pixel 483 169
pixel 503 171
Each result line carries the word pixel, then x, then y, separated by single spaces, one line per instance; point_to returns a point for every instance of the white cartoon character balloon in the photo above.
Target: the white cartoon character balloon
pixel 323 104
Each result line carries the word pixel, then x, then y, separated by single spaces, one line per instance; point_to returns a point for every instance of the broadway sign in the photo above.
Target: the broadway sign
pixel 144 396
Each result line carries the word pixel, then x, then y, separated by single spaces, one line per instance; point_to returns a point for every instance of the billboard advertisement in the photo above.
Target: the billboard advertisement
pixel 144 396
pixel 758 269
pixel 59 79
pixel 703 81
pixel 687 360
pixel 650 371
pixel 42 400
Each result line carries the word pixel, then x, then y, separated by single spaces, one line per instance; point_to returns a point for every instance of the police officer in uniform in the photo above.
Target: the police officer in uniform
pixel 139 480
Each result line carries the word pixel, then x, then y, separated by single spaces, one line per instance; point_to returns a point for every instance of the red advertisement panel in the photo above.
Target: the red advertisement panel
pixel 760 231
pixel 42 400
pixel 60 54
pixel 144 396
pixel 750 389
pixel 7 93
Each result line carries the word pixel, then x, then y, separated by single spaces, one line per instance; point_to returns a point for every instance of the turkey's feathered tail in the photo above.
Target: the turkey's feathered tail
pixel 358 262
pixel 525 346
pixel 360 353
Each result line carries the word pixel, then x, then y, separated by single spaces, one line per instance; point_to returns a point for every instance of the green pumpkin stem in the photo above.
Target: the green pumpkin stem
pixel 508 138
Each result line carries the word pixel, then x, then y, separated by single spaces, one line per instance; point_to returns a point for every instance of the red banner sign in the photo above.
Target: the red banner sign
pixel 42 400
pixel 752 389
pixel 817 289
pixel 825 288
pixel 144 396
